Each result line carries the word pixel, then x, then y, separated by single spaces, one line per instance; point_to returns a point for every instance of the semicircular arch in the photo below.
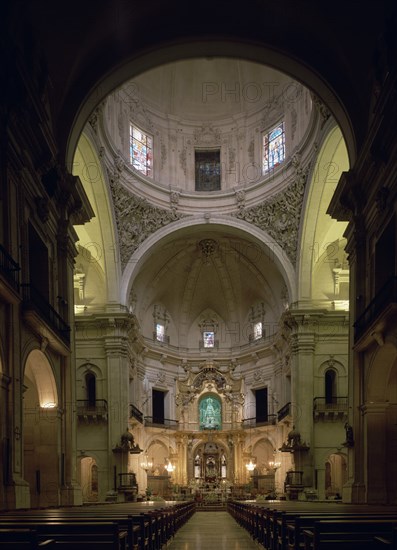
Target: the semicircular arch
pixel 92 92
pixel 380 369
pixel 263 242
pixel 318 229
pixel 97 237
pixel 38 369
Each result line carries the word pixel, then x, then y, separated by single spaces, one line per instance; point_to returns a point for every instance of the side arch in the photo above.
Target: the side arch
pixel 97 238
pixel 318 229
pixel 39 370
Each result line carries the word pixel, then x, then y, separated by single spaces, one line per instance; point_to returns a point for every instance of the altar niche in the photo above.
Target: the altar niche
pixel 210 464
pixel 210 412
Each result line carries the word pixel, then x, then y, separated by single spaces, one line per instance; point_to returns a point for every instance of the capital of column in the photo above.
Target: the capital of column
pixel 305 343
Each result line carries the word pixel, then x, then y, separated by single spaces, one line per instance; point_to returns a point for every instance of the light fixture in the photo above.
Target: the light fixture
pixel 169 466
pixel 274 465
pixel 146 464
pixel 250 465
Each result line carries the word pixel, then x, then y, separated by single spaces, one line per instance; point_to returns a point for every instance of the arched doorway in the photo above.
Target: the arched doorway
pixel 43 463
pixel 380 421
pixel 89 479
pixel 211 463
pixel 335 475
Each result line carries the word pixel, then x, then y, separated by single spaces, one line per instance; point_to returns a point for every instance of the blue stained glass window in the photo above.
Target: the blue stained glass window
pixel 273 148
pixel 141 151
pixel 209 339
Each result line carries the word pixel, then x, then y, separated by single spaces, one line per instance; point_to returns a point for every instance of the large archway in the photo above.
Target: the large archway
pixel 102 85
pixel 379 425
pixel 201 267
pixel 43 462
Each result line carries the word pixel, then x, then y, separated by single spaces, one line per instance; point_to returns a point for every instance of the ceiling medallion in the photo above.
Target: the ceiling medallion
pixel 208 248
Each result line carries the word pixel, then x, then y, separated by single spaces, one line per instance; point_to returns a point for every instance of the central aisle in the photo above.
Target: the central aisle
pixel 212 531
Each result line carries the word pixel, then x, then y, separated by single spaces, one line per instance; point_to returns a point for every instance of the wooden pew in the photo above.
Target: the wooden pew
pixel 298 529
pixel 98 534
pixel 281 526
pixel 347 534
pixel 148 527
pixel 23 539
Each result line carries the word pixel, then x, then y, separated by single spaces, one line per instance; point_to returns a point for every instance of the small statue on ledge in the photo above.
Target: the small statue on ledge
pixel 128 443
pixel 349 436
pixel 293 438
pixel 294 442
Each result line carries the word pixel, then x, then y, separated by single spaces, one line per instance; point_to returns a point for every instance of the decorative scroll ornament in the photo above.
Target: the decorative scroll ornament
pixel 136 219
pixel 322 109
pixel 208 248
pixel 280 215
pixel 207 135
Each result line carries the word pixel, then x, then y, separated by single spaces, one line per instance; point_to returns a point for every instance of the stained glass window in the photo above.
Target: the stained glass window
pixel 141 151
pixel 208 170
pixel 160 332
pixel 209 339
pixel 257 330
pixel 273 148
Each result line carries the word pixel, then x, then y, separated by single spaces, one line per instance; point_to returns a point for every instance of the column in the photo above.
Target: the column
pixel 375 468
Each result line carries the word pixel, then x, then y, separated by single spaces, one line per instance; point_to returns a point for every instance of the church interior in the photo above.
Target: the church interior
pixel 198 253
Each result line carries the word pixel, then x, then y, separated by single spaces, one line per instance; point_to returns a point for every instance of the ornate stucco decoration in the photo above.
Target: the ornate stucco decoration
pixel 95 116
pixel 207 135
pixel 136 219
pixel 280 215
pixel 209 378
pixel 322 109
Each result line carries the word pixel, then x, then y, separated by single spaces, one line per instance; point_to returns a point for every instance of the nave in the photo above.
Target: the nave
pixel 156 525
pixel 212 530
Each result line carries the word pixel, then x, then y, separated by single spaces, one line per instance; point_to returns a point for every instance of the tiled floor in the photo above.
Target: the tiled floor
pixel 212 531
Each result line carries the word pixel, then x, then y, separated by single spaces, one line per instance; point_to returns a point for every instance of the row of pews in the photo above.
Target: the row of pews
pixel 124 526
pixel 297 525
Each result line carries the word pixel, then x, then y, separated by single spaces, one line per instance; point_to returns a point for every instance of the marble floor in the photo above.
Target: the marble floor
pixel 212 531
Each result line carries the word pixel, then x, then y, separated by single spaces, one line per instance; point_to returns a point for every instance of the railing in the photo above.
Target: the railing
pixel 284 411
pixel 209 348
pixel 33 299
pixel 136 413
pixel 386 295
pixel 9 268
pixel 162 422
pixel 256 423
pixel 265 341
pixel 321 404
pixel 90 408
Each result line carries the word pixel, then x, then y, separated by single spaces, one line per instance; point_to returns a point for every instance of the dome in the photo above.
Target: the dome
pixel 205 128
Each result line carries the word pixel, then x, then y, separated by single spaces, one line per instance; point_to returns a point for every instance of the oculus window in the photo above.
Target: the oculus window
pixel 273 148
pixel 141 151
pixel 208 170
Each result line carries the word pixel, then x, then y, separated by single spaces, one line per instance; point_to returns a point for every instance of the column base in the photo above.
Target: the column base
pixel 17 494
pixel 354 493
pixel 71 495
